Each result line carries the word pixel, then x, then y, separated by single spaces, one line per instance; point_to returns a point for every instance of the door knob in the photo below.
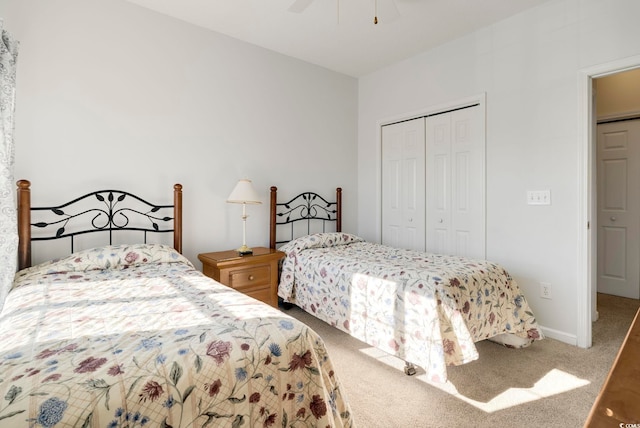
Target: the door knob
pixel 612 218
pixel 440 221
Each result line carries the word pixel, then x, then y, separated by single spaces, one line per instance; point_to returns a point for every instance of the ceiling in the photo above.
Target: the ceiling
pixel 340 34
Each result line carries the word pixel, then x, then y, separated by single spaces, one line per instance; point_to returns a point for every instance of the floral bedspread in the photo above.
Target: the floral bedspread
pixel 133 336
pixel 427 309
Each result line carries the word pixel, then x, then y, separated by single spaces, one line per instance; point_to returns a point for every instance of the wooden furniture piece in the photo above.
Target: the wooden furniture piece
pixel 108 212
pixel 618 401
pixel 306 207
pixel 253 274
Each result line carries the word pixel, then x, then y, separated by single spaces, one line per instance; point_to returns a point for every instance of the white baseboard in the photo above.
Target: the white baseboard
pixel 562 336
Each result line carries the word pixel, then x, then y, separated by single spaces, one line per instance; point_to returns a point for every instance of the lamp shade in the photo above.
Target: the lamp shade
pixel 244 193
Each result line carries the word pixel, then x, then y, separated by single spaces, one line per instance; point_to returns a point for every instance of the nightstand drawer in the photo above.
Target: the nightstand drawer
pixel 250 278
pixel 255 274
pixel 264 295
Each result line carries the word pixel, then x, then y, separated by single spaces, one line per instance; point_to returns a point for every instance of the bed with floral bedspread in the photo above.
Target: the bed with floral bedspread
pixel 135 336
pixel 425 308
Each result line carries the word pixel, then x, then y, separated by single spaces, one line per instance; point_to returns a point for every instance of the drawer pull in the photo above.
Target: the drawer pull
pixel 251 277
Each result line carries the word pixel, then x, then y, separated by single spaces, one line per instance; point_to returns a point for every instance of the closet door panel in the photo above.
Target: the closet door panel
pixel 403 185
pixel 455 190
pixel 468 171
pixel 438 188
pixel 391 187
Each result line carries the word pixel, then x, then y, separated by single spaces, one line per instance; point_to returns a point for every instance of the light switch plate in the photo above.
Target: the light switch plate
pixel 539 197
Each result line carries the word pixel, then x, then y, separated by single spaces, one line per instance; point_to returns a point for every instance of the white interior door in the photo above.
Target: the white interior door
pixel 455 188
pixel 618 176
pixel 403 184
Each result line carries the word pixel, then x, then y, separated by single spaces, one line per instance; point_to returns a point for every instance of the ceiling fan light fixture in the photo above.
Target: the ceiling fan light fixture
pixel 388 10
pixel 385 12
pixel 375 12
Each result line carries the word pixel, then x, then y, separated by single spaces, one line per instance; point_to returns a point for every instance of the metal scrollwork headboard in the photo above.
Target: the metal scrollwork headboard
pixel 100 211
pixel 308 207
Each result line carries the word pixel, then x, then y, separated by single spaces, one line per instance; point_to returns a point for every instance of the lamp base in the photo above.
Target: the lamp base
pixel 244 250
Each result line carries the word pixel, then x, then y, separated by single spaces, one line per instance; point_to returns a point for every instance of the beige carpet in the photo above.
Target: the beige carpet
pixel 549 384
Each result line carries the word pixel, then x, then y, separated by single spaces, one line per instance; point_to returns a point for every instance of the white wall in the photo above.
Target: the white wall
pixel 111 95
pixel 528 66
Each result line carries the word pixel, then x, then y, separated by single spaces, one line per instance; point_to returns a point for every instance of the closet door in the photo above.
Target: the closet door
pixel 455 190
pixel 403 184
pixel 438 193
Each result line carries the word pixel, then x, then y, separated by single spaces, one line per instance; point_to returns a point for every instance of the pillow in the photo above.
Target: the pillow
pixel 108 257
pixel 320 240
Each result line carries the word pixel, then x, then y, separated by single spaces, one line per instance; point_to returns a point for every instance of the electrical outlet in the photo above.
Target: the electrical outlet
pixel 545 290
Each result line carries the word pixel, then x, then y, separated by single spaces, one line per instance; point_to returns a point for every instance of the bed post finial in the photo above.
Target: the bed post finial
pixel 272 217
pixel 339 209
pixel 177 217
pixel 24 223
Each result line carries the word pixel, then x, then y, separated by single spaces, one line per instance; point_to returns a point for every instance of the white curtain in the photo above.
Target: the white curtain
pixel 8 220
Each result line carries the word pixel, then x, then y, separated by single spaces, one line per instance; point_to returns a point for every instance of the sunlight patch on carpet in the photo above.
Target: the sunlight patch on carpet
pixel 554 382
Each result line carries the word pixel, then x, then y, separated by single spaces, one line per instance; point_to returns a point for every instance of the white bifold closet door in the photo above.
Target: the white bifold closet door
pixel 456 184
pixel 433 183
pixel 403 203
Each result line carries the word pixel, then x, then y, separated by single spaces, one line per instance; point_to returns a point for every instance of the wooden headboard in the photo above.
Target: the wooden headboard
pixel 307 207
pixel 104 211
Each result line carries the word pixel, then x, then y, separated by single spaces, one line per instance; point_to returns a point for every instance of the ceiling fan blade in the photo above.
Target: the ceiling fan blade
pixel 300 6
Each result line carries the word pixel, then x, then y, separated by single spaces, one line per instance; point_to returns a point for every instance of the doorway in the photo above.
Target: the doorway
pixel 587 206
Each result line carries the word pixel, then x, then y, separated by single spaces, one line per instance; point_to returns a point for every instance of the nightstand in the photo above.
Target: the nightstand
pixel 254 274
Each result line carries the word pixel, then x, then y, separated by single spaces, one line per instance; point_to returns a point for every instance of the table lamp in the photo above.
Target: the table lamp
pixel 244 194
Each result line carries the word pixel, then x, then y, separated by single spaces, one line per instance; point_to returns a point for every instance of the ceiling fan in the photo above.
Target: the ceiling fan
pixel 387 8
